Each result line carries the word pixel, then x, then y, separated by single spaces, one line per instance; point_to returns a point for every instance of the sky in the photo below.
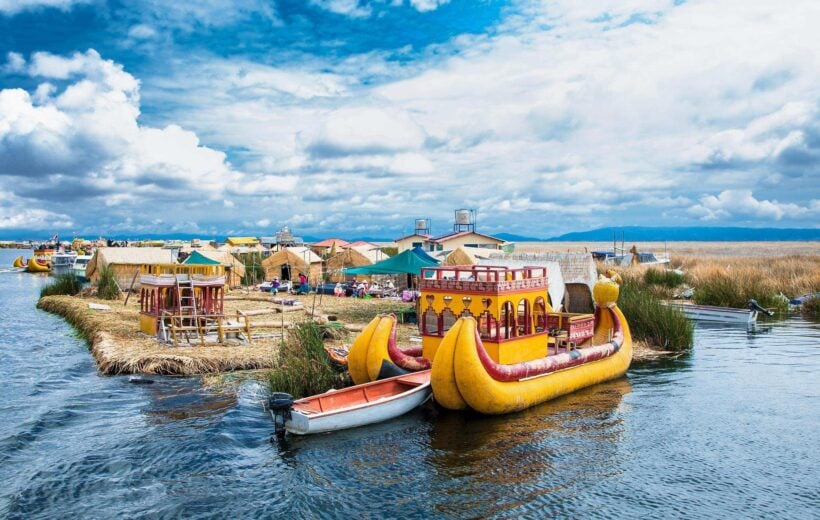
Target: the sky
pixel 353 118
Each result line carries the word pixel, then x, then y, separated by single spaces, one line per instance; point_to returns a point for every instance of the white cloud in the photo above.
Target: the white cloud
pixel 427 5
pixel 364 130
pixel 85 141
pixel 352 8
pixel 742 203
pixel 11 7
pixel 142 32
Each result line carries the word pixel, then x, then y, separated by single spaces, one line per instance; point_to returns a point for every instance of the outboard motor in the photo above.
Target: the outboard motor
pixel 279 404
pixel 754 306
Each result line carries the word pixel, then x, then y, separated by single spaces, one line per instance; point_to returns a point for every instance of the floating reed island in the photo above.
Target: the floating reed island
pixel 123 337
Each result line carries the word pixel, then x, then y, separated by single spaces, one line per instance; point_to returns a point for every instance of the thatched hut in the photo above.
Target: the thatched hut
pixel 234 268
pixel 125 262
pixel 289 262
pixel 577 269
pixel 345 258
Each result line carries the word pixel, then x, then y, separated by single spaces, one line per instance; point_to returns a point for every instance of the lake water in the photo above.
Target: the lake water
pixel 731 430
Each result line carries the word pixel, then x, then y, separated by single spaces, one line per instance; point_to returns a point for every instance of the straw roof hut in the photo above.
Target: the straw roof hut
pixel 577 269
pixel 125 262
pixel 350 257
pixel 289 262
pixel 234 268
pixel 329 246
pixel 459 256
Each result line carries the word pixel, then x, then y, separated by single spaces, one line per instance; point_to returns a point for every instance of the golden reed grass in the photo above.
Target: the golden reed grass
pixel 119 347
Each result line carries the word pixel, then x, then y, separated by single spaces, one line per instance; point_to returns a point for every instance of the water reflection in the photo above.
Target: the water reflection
pixel 504 463
pixel 183 399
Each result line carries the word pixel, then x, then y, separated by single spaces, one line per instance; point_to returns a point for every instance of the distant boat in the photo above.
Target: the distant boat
pixel 351 407
pixel 70 262
pixel 719 314
pixel 80 263
pixel 62 262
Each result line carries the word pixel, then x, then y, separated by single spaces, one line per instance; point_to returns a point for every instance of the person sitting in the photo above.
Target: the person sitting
pixel 274 285
pixel 338 291
pixel 303 284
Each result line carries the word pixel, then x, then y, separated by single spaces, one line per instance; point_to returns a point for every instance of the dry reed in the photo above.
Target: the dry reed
pixel 119 347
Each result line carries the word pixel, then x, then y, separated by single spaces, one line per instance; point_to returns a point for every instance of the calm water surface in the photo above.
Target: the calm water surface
pixel 731 430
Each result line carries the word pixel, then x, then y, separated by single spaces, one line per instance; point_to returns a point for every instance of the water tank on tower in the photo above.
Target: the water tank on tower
pixel 464 220
pixel 422 226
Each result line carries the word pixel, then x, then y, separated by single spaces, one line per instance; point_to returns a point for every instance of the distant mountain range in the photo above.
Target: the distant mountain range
pixel 630 234
pixel 690 234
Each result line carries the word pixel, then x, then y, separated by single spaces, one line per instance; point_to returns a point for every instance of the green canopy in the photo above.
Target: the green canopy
pixel 197 258
pixel 411 261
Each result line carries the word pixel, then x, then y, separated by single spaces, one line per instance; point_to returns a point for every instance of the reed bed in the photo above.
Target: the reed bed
pixel 732 281
pixel 304 367
pixel 107 288
pixel 653 323
pixel 119 347
pixel 65 284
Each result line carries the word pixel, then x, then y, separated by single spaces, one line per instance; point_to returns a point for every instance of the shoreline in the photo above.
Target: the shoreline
pixel 119 348
pixel 128 351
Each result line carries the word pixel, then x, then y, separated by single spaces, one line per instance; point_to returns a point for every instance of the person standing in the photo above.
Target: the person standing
pixel 303 284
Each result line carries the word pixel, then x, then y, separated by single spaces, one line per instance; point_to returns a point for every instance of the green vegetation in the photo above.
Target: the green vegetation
pixel 303 365
pixel 811 307
pixel 390 250
pixel 664 278
pixel 107 288
pixel 254 272
pixel 733 290
pixel 64 284
pixel 652 322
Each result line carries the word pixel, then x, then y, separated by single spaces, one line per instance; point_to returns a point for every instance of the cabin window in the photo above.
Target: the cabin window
pixel 507 321
pixel 524 318
pixel 448 319
pixel 539 314
pixel 431 322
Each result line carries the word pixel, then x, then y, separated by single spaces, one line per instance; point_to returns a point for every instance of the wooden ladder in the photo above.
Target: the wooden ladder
pixel 186 320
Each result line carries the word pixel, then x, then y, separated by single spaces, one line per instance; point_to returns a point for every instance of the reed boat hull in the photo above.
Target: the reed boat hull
pixel 18 262
pixel 35 266
pixel 375 355
pixel 359 405
pixel 460 379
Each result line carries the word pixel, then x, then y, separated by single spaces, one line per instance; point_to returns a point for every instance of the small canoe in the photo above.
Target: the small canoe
pixel 718 314
pixel 37 266
pixel 337 355
pixel 355 406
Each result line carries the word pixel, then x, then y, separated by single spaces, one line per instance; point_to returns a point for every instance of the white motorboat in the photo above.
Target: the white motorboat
pixel 719 314
pixel 80 263
pixel 351 407
pixel 62 262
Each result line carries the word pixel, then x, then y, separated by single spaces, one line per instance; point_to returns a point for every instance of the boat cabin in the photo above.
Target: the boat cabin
pixel 510 305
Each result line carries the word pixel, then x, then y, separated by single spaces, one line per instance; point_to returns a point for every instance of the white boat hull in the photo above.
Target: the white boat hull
pixel 377 411
pixel 717 314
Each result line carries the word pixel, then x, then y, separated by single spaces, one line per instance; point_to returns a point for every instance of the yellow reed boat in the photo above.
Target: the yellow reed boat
pixel 37 266
pixel 494 342
pixel 18 262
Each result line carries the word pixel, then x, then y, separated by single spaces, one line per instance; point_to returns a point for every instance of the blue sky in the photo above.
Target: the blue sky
pixel 353 118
